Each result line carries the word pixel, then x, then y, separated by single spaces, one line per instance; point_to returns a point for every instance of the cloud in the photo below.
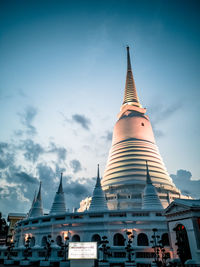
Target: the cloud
pixel 32 150
pixel 21 93
pixel 82 120
pixel 108 136
pixel 61 151
pixel 183 181
pixel 27 119
pixel 45 173
pixel 3 145
pixel 7 155
pixel 26 178
pixel 76 165
pixel 163 114
pixel 13 199
pixel 77 189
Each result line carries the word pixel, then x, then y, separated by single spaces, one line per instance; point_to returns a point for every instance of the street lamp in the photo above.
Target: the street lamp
pixel 64 248
pixel 27 247
pixel 156 247
pixel 128 247
pixel 105 248
pixel 10 246
pixel 49 241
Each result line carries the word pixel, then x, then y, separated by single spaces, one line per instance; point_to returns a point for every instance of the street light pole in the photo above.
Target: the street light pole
pixel 128 247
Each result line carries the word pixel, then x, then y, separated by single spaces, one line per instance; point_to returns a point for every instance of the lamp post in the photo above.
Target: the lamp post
pixel 156 247
pixel 48 247
pixel 163 253
pixel 128 247
pixel 64 248
pixel 27 248
pixel 105 248
pixel 10 246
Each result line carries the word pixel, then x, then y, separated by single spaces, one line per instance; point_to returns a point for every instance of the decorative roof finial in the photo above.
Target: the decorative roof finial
pixel 130 95
pixel 128 59
pixel 98 183
pixel 60 188
pixel 148 175
pixel 98 171
pixel 39 196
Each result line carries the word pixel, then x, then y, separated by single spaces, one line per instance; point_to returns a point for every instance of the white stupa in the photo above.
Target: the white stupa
pixel 151 199
pixel 98 202
pixel 37 209
pixel 58 205
pixel 133 143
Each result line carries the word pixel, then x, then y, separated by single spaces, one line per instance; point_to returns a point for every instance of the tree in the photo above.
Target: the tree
pixel 3 230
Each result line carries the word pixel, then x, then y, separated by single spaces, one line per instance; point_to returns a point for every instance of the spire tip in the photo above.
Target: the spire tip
pixel 98 176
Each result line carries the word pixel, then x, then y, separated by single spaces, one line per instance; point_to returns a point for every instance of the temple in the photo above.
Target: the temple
pixel 133 144
pixel 125 218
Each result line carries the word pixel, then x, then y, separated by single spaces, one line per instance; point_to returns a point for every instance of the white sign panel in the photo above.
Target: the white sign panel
pixel 82 250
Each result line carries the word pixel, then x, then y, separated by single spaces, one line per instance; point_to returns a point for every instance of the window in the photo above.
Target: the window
pixel 143 265
pixel 46 220
pixel 44 241
pixel 118 240
pixel 140 214
pixel 96 215
pixel 59 240
pixel 165 239
pixel 96 238
pixel 144 255
pixel 158 214
pixel 117 214
pixel 76 217
pixel 76 238
pixel 142 240
pixel 59 218
pixel 120 254
pixel 32 242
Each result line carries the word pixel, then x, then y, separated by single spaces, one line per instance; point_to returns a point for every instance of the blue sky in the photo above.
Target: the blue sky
pixel 62 78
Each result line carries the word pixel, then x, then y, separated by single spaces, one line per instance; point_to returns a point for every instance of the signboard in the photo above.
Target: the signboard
pixel 82 250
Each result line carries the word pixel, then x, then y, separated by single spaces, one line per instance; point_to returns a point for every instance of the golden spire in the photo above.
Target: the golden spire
pixel 130 95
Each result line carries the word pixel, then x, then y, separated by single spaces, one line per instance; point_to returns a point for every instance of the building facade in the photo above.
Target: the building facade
pixel 126 208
